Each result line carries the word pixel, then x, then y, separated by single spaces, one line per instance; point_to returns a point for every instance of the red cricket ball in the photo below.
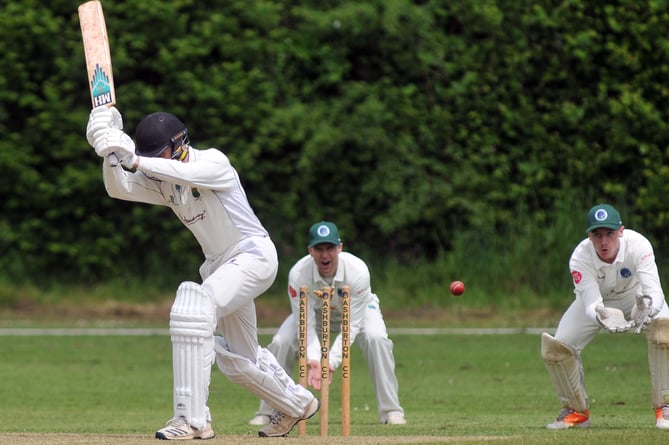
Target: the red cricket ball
pixel 457 287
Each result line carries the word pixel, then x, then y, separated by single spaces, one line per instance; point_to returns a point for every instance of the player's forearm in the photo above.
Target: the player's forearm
pixel 590 296
pixel 313 346
pixel 214 174
pixel 122 184
pixel 651 286
pixel 114 179
pixel 335 352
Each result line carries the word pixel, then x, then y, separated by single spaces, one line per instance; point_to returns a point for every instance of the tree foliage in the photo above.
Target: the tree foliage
pixel 403 121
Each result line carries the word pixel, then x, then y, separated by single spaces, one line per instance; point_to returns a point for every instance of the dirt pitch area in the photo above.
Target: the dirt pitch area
pixel 126 439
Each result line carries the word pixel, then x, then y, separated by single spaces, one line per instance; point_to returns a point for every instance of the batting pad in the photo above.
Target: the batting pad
pixel 265 378
pixel 566 371
pixel 192 324
pixel 658 359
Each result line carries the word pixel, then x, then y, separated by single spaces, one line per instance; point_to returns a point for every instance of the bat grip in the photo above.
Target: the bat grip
pixel 113 160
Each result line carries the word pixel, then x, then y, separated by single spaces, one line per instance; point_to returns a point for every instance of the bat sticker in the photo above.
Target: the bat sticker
pixel 101 88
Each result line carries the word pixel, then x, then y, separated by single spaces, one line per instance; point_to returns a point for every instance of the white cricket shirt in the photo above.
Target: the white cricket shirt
pixel 633 272
pixel 205 193
pixel 351 271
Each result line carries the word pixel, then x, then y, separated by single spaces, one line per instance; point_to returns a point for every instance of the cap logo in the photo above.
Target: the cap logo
pixel 323 230
pixel 601 215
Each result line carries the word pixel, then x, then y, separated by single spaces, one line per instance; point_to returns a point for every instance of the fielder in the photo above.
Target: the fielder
pixel 617 288
pixel 204 191
pixel 327 265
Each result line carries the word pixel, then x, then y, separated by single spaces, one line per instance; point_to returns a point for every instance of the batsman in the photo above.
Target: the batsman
pixel 240 263
pixel 617 288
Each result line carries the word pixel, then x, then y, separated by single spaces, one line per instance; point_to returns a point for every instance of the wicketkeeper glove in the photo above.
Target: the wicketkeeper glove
pixel 643 312
pixel 612 319
pixel 100 119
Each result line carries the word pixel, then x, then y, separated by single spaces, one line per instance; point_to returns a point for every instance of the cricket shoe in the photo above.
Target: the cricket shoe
pixel 179 429
pixel 570 418
pixel 259 420
pixel 280 424
pixel 662 417
pixel 395 418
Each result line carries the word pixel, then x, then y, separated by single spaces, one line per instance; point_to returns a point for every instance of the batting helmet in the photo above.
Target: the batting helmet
pixel 159 131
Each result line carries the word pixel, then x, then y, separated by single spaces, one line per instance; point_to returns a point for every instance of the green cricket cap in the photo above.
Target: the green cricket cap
pixel 323 232
pixel 603 215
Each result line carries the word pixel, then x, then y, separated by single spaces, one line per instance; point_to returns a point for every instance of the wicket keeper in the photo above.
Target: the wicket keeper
pixel 328 265
pixel 617 288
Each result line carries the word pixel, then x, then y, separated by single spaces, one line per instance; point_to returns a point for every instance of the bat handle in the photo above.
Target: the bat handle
pixel 113 160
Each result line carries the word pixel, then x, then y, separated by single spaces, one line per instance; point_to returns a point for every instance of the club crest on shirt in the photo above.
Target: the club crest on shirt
pixel 625 272
pixel 576 275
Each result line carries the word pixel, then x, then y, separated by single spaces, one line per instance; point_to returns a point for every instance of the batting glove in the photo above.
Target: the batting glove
pixel 643 312
pixel 128 160
pixel 123 146
pixel 102 118
pixel 612 319
pixel 100 143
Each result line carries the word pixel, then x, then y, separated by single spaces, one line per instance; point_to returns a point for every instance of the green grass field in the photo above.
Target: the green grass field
pixel 454 389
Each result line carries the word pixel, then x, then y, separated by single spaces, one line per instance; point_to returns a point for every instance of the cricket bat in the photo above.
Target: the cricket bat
pixel 98 58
